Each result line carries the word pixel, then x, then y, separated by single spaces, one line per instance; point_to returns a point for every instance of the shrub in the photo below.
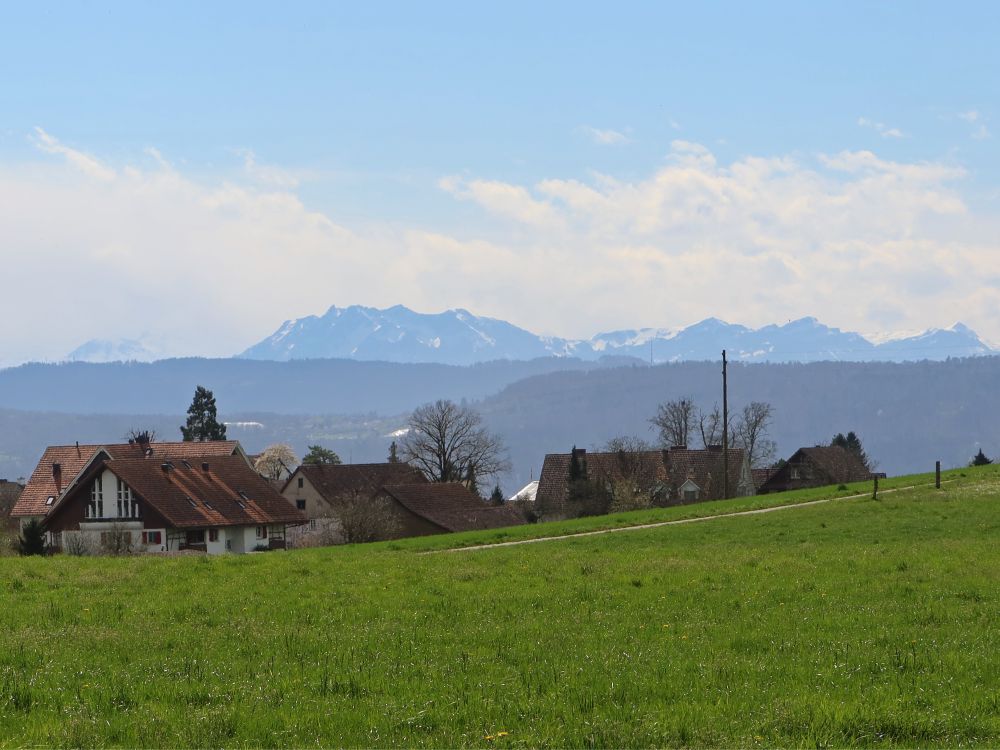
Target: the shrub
pixel 32 539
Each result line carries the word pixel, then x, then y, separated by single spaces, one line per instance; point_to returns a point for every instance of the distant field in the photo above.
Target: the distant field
pixel 850 623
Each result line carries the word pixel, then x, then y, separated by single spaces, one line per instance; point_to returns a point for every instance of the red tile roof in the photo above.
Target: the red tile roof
pixel 9 493
pixel 452 506
pixel 73 458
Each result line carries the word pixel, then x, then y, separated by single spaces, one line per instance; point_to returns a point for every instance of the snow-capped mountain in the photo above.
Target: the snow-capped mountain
pixel 458 337
pixel 104 350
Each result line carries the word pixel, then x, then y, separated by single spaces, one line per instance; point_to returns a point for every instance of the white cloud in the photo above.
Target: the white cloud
pixel 604 137
pixel 881 128
pixel 93 250
pixel 979 132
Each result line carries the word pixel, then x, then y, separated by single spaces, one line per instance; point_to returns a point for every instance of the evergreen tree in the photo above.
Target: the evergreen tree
pixel 32 540
pixel 852 444
pixel 319 455
pixel 497 497
pixel 576 470
pixel 980 459
pixel 202 422
pixel 393 454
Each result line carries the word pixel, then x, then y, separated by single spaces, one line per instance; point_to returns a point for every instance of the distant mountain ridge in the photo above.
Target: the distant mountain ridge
pixel 458 337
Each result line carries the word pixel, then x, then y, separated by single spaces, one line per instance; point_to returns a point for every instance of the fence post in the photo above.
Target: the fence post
pixel 937 474
pixel 874 486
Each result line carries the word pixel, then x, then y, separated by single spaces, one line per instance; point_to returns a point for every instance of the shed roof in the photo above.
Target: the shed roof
pixel 452 506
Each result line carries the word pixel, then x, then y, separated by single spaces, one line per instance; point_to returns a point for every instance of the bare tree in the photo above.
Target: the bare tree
pixel 143 437
pixel 710 426
pixel 367 519
pixel 629 476
pixel 449 443
pixel 275 460
pixel 751 433
pixel 674 420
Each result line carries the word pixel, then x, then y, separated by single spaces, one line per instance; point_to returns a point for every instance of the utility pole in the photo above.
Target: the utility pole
pixel 725 430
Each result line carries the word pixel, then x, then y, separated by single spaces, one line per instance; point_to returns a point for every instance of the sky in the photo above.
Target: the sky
pixel 192 174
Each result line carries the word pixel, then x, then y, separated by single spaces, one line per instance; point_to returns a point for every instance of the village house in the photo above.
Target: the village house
pixel 439 507
pixel 817 467
pixel 413 506
pixel 155 497
pixel 629 479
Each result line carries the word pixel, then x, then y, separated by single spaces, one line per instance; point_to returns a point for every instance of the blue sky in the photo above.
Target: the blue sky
pixel 386 119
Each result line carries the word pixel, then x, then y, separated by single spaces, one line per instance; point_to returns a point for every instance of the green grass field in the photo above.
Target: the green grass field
pixel 851 623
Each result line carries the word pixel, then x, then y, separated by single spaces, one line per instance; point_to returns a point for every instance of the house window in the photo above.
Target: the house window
pixel 95 508
pixel 128 507
pixel 301 483
pixel 262 532
pixel 312 524
pixel 300 504
pixel 196 536
pixel 795 473
pixel 152 537
pixel 690 495
pixel 50 499
pixel 213 535
pixel 229 544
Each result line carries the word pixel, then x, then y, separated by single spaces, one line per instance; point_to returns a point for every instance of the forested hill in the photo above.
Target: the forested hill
pixel 322 386
pixel 908 415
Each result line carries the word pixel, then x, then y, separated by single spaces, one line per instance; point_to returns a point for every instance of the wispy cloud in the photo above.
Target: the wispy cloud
pixel 881 128
pixel 84 162
pixel 604 137
pixel 980 132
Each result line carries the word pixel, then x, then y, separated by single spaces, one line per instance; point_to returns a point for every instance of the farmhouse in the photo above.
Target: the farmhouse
pixel 323 491
pixel 155 497
pixel 625 479
pixel 817 467
pixel 412 505
pixel 438 507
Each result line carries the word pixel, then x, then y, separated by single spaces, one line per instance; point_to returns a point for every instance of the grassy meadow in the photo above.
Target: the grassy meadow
pixel 850 623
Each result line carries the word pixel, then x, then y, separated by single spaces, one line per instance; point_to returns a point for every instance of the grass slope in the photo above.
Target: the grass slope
pixel 858 622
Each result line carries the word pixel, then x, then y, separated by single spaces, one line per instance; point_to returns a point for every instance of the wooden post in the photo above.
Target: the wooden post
pixel 937 474
pixel 874 486
pixel 725 430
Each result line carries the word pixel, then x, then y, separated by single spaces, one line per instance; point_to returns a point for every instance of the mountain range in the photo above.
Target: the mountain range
pixel 458 337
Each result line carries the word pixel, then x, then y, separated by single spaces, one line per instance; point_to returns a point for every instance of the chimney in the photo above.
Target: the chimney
pixel 204 466
pixel 57 475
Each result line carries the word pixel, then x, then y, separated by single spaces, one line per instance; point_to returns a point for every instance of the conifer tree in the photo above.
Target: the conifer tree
pixel 32 540
pixel 980 459
pixel 497 497
pixel 393 454
pixel 202 420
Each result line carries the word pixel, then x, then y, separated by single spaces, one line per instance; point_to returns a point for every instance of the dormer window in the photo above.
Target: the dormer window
pixel 95 508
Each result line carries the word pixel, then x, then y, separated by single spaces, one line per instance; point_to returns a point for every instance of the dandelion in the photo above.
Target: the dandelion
pixel 502 734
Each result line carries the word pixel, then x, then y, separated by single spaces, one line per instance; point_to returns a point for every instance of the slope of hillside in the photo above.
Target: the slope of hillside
pixel 853 624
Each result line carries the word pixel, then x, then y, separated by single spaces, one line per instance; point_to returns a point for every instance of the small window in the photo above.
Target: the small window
pixel 262 532
pixel 50 499
pixel 151 537
pixel 312 524
pixel 795 472
pixel 300 504
pixel 690 494
pixel 301 483
pixel 229 544
pixel 193 503
pixel 186 463
pixel 197 536
pixel 213 535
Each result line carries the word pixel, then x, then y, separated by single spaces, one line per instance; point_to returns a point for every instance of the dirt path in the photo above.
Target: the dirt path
pixel 736 514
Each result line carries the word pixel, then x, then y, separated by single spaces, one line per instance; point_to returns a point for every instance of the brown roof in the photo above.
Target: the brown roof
pixel 762 475
pixel 841 465
pixel 705 468
pixel 73 458
pixel 334 481
pixel 452 506
pixel 229 493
